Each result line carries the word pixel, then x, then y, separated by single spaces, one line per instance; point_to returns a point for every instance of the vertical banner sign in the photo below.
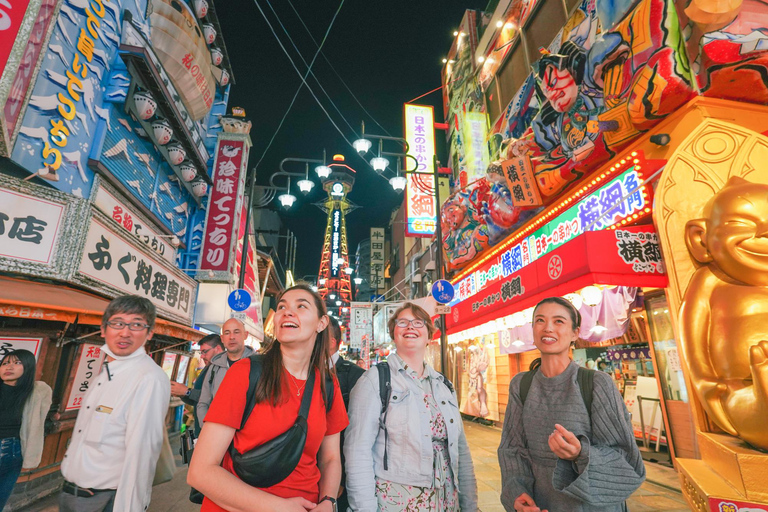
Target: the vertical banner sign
pixel 377 259
pixel 220 237
pixel 336 242
pixel 88 367
pixel 521 182
pixel 475 147
pixel 11 15
pixel 420 204
pixel 361 329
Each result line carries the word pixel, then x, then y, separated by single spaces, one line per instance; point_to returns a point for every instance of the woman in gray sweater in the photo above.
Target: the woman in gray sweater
pixel 552 455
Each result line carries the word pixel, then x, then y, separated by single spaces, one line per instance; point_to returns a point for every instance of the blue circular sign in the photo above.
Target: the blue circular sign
pixel 443 291
pixel 239 300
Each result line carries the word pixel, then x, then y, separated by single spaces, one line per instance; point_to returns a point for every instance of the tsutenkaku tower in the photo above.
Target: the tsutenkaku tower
pixel 332 279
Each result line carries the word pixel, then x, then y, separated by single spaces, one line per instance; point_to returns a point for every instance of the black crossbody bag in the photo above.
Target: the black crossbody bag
pixel 271 463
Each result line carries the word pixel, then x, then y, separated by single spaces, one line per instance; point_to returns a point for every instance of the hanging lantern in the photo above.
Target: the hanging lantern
pixel 224 78
pixel 592 295
pixel 216 56
pixel 201 8
pixel 176 153
pixel 209 32
pixel 162 131
pixel 199 188
pixel 145 104
pixel 188 172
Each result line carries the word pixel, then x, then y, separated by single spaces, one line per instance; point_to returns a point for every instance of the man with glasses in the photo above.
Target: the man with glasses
pixel 118 435
pixel 210 347
pixel 233 335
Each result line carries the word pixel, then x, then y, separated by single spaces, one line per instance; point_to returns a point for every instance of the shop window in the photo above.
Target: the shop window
pixel 542 27
pixel 492 101
pixel 665 348
pixel 512 74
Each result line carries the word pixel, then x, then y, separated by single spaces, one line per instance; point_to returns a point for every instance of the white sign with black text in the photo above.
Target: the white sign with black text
pixel 29 227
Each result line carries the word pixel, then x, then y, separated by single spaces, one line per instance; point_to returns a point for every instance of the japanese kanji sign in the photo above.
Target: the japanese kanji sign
pixel 360 326
pixel 420 204
pixel 521 182
pixel 377 259
pixel 129 220
pixel 9 344
pixel 224 206
pixel 29 226
pixel 88 367
pixel 336 259
pixel 475 146
pixel 112 260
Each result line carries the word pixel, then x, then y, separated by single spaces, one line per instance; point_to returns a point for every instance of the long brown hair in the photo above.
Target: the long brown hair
pixel 270 384
pixel 572 312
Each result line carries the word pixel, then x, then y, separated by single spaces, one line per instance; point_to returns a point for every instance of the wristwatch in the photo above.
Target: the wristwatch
pixel 332 500
pixel 188 392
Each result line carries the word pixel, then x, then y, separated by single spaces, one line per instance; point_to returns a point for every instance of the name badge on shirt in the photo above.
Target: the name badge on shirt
pixel 104 408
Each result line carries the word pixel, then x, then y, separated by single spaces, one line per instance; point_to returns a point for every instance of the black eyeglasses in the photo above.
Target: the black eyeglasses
pixel 134 326
pixel 203 352
pixel 404 323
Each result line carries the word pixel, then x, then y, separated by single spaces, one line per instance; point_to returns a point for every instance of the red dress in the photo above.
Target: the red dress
pixel 267 422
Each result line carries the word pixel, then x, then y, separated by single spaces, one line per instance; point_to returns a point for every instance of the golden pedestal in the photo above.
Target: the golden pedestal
pixel 730 477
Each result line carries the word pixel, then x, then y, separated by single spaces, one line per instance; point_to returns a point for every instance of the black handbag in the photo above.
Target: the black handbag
pixel 271 463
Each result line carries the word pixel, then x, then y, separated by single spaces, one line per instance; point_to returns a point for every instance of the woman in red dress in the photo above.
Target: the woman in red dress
pixel 300 346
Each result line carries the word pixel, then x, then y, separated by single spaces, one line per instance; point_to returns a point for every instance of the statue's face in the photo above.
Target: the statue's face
pixel 454 216
pixel 560 88
pixel 737 233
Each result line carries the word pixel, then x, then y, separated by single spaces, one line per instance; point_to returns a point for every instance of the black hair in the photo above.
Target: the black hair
pixel 213 340
pixel 571 57
pixel 572 312
pixel 130 305
pixel 26 382
pixel 335 330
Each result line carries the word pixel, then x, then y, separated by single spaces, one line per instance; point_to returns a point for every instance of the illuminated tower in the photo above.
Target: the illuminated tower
pixel 333 281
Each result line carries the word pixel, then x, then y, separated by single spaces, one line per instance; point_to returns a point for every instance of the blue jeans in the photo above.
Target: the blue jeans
pixel 10 466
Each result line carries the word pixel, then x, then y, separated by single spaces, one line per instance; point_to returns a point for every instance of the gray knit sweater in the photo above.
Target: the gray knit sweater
pixel 609 468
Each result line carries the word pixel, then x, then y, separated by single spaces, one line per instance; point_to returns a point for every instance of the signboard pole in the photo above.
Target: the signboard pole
pixel 440 270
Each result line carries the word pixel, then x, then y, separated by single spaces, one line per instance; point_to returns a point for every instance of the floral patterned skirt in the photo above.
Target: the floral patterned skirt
pixel 443 496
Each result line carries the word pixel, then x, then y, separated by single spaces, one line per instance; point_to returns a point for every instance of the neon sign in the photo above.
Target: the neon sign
pixel 336 259
pixel 608 206
pixel 420 205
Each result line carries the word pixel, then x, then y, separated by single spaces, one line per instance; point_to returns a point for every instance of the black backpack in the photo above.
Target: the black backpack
pixel 385 391
pixel 584 377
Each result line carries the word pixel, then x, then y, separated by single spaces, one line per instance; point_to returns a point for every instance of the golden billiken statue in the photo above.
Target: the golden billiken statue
pixel 724 316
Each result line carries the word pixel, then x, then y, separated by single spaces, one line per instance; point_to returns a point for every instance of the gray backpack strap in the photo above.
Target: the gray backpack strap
pixel 586 380
pixel 385 391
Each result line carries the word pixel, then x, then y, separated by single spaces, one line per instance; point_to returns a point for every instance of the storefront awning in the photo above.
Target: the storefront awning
pixel 627 256
pixel 58 303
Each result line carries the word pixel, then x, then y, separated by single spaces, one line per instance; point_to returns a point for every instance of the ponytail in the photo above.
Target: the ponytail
pixel 534 364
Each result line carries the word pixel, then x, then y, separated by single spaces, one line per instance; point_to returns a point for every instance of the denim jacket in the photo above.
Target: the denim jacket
pixel 409 448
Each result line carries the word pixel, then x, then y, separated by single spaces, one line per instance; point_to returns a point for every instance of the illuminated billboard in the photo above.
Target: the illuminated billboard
pixel 420 204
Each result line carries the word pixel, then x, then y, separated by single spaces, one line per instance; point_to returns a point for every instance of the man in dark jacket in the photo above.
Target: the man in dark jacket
pixel 210 346
pixel 347 373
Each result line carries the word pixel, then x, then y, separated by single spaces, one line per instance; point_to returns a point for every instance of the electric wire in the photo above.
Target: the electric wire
pixel 309 68
pixel 336 72
pixel 293 64
pixel 303 79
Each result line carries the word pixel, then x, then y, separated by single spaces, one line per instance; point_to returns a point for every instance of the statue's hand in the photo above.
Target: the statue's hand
pixel 713 394
pixel 758 362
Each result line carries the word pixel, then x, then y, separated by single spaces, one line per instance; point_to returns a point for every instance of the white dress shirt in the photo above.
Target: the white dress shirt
pixel 334 358
pixel 119 431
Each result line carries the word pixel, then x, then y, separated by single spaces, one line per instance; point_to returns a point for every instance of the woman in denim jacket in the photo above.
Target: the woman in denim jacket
pixel 421 462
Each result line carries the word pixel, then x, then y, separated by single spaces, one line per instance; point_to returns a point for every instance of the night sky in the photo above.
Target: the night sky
pixel 387 53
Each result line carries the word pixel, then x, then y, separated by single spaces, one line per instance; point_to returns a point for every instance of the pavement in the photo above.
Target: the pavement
pixel 661 490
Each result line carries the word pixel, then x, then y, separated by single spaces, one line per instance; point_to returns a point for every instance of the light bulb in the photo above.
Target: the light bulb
pixel 305 185
pixel 323 171
pixel 398 183
pixel 362 146
pixel 379 163
pixel 286 200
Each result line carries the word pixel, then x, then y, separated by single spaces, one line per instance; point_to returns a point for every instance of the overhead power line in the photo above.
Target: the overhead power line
pixel 336 72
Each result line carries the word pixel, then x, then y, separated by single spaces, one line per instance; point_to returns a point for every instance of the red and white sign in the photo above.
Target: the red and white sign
pixel 88 367
pixel 29 226
pixel 11 15
pixel 628 256
pixel 420 204
pixel 9 344
pixel 26 70
pixel 133 223
pixel 219 241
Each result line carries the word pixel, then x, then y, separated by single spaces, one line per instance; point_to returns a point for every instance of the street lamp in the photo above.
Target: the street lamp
pixel 362 146
pixel 358 280
pixel 349 271
pixel 306 185
pixel 380 163
pixel 398 183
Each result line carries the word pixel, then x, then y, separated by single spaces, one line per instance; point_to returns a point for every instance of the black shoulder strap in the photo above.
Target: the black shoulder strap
pixel 586 377
pixel 329 391
pixel 448 383
pixel 253 379
pixel 525 384
pixel 385 390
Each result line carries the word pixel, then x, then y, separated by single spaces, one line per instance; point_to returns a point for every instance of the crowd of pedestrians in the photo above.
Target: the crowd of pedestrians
pixel 296 427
